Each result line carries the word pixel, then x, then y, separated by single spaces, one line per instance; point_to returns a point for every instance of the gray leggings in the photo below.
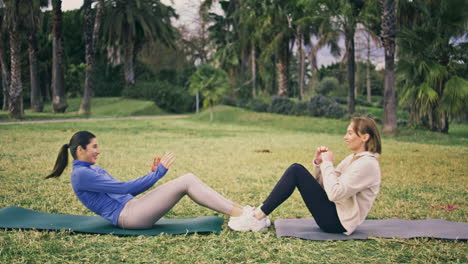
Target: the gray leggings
pixel 142 213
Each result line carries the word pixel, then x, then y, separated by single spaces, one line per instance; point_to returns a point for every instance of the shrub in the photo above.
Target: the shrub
pixel 322 106
pixel 281 105
pixel 300 109
pixel 172 98
pixel 254 104
pixel 327 84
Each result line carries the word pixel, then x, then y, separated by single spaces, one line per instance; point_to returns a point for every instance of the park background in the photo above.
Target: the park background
pixel 239 91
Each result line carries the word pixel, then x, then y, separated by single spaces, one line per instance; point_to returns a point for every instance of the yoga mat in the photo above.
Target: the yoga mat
pixel 390 228
pixel 20 218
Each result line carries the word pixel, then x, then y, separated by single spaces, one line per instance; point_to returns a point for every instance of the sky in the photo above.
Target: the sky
pixel 187 11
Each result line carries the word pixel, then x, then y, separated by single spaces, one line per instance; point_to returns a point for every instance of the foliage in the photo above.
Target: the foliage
pixel 326 85
pixel 211 82
pixel 323 106
pixel 74 79
pixel 431 80
pixel 281 105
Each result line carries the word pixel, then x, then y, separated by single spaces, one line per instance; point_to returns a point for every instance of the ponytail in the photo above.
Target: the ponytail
pixel 61 163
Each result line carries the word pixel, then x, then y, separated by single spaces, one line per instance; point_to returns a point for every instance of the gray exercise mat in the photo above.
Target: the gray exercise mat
pixel 389 228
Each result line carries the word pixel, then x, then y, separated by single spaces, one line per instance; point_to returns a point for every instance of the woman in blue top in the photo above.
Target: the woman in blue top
pixel 115 200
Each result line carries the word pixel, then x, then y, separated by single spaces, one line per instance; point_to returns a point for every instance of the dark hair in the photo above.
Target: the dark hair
pixel 366 125
pixel 81 138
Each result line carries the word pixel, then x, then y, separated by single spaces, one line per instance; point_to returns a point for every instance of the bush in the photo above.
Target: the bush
pixel 327 84
pixel 281 105
pixel 300 109
pixel 322 106
pixel 254 104
pixel 172 98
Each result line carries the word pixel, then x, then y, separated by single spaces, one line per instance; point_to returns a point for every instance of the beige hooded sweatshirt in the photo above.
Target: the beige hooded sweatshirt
pixel 352 186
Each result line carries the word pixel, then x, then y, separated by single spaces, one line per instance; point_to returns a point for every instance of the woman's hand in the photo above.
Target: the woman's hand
pixel 156 162
pixel 168 159
pixel 318 154
pixel 328 156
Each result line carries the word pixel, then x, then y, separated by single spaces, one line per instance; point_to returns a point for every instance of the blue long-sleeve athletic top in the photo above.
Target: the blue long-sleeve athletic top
pixel 103 194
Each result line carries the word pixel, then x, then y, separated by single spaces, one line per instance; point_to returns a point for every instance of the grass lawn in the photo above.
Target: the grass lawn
pixel 100 107
pixel 420 172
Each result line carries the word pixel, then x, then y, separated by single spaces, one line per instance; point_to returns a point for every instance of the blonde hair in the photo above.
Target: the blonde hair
pixel 366 125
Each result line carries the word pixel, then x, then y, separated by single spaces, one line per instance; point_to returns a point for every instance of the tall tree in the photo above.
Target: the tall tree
pixel 91 35
pixel 432 51
pixel 345 15
pixel 388 40
pixel 59 103
pixel 14 21
pixel 3 62
pixel 127 24
pixel 34 15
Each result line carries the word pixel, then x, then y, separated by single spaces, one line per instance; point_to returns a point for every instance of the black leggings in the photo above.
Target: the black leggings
pixel 314 196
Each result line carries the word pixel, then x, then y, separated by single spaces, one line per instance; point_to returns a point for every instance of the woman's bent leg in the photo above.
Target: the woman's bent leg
pixel 140 213
pixel 315 198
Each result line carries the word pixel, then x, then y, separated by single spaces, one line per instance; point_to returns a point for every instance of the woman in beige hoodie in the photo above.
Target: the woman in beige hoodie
pixel 339 198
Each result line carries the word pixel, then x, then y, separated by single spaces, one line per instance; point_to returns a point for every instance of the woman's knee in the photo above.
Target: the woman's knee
pixel 189 177
pixel 296 167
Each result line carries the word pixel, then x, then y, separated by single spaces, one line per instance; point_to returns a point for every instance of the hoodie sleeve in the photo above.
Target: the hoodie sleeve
pixel 91 181
pixel 362 174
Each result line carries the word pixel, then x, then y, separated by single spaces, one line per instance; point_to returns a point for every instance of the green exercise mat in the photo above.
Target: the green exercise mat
pixel 20 218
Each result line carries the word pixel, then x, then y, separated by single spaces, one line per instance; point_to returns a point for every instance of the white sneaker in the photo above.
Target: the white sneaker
pixel 237 222
pixel 248 222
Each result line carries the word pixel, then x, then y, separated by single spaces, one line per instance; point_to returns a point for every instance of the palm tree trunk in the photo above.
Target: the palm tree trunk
pixel 91 36
pixel 254 71
pixel 5 75
pixel 211 110
pixel 16 87
pixel 129 70
pixel 282 68
pixel 301 65
pixel 368 78
pixel 388 41
pixel 58 89
pixel 36 97
pixel 349 42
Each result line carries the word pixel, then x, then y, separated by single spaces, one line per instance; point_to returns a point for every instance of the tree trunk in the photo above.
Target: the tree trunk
pixel 129 71
pixel 59 103
pixel 388 41
pixel 211 110
pixel 301 65
pixel 37 104
pixel 254 71
pixel 282 69
pixel 349 42
pixel 368 77
pixel 16 87
pixel 91 37
pixel 5 75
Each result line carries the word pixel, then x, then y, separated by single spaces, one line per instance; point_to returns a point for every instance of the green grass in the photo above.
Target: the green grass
pixel 100 107
pixel 415 176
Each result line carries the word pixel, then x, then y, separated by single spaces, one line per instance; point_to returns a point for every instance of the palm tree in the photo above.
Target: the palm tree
pixel 59 103
pixel 344 16
pixel 212 84
pixel 34 14
pixel 91 35
pixel 3 63
pixel 388 41
pixel 14 22
pixel 127 24
pixel 430 71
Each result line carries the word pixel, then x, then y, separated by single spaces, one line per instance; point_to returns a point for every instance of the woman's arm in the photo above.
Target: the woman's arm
pixel 364 174
pixel 89 180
